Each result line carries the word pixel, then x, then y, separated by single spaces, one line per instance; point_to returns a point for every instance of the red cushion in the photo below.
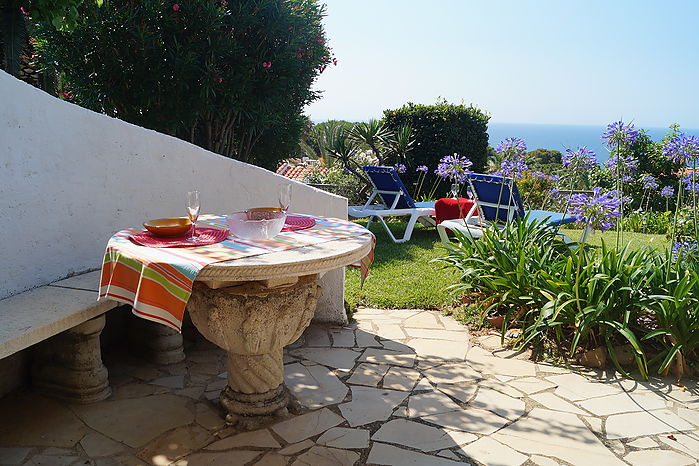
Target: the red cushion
pixel 448 208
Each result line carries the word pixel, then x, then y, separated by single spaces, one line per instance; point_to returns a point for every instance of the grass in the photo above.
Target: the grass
pixel 403 276
pixel 637 240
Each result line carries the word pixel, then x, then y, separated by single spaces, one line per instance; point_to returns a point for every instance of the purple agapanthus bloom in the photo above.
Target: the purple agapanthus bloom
pixel 620 135
pixel 555 178
pixel 682 149
pixel 554 192
pixel 597 211
pixel 539 175
pixel 580 159
pixel 649 182
pixel 684 249
pixel 667 191
pixel 512 148
pixel 400 168
pixel 622 165
pixel 512 168
pixel 454 167
pixel 691 185
pixel 422 168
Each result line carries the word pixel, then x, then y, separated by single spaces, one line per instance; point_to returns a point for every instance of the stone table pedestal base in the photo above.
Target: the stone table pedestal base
pixel 157 343
pixel 69 365
pixel 253 323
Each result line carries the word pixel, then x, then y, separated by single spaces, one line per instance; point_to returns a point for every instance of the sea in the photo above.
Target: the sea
pixel 562 137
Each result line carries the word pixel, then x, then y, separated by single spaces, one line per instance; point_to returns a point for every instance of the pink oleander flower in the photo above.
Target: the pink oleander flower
pixel 266 65
pixel 176 7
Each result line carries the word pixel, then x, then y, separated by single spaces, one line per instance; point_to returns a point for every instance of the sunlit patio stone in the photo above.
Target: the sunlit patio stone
pixel 643 443
pixel 429 403
pixel 370 405
pixel 324 456
pixel 621 403
pixel 489 451
pixel 368 374
pixel 644 423
pixel 420 436
pixel 307 425
pixel 551 401
pixel 498 403
pixel 557 434
pixel 686 443
pixel 381 453
pixel 314 386
pixel 658 458
pixel 400 378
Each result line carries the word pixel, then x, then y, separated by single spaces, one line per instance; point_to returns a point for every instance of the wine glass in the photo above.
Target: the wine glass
pixel 193 212
pixel 284 196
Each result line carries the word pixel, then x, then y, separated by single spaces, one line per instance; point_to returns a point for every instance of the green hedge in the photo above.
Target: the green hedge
pixel 442 129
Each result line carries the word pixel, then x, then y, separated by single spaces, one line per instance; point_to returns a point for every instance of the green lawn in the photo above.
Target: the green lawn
pixel 404 277
pixel 637 240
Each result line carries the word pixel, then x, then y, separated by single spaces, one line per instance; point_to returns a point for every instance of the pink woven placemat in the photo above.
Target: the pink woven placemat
pixel 206 236
pixel 298 222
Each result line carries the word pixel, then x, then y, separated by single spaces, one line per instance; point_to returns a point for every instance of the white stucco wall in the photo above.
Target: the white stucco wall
pixel 70 178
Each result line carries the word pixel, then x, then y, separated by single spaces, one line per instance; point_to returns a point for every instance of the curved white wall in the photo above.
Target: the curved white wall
pixel 69 178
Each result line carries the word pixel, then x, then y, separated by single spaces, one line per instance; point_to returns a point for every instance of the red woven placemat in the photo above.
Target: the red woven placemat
pixel 298 222
pixel 206 236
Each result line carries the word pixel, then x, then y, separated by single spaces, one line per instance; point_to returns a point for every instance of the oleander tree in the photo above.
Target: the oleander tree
pixel 232 77
pixel 17 18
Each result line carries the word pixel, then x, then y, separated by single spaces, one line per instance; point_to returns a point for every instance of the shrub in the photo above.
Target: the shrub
pixel 223 75
pixel 584 297
pixel 439 130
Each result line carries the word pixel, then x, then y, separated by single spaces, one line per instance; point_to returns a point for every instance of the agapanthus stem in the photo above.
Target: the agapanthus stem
pixel 694 198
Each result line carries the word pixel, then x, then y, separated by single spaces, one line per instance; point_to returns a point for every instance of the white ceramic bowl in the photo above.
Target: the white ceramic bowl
pixel 256 224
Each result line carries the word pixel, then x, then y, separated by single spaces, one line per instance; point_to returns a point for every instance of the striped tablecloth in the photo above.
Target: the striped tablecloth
pixel 157 282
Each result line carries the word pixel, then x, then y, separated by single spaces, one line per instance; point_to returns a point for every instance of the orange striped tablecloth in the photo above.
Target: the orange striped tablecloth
pixel 157 282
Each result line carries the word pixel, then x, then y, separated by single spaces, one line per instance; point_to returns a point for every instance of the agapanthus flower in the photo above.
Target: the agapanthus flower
pixel 682 149
pixel 554 178
pixel 512 148
pixel 512 168
pixel 597 211
pixel 620 135
pixel 622 165
pixel 649 182
pixel 422 168
pixel 554 192
pixel 667 191
pixel 454 167
pixel 685 249
pixel 540 175
pixel 691 185
pixel 400 168
pixel 580 159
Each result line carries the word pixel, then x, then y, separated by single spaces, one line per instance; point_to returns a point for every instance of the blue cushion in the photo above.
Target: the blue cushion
pixel 387 179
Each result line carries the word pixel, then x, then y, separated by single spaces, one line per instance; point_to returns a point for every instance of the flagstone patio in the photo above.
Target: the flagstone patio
pixel 403 387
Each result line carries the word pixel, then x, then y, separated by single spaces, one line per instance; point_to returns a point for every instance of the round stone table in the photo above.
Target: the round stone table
pixel 253 307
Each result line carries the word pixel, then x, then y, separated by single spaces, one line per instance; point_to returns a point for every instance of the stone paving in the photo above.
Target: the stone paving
pixel 396 388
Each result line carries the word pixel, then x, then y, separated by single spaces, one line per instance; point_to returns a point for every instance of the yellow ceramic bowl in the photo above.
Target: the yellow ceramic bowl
pixel 178 226
pixel 268 209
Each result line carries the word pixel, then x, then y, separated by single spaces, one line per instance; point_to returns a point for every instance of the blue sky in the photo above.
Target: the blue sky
pixel 552 62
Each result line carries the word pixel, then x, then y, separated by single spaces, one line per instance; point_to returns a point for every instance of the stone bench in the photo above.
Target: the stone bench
pixel 64 320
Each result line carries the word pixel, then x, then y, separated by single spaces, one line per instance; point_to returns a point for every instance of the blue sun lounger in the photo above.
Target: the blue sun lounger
pixel 498 200
pixel 392 200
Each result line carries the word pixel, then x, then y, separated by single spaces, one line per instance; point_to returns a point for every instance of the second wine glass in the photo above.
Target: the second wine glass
pixel 193 205
pixel 284 196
